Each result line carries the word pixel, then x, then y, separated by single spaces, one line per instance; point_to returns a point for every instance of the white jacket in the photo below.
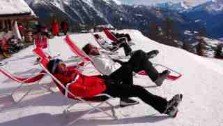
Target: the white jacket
pixel 105 44
pixel 105 64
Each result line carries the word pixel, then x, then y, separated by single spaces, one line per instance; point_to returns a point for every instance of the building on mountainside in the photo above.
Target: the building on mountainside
pixel 14 14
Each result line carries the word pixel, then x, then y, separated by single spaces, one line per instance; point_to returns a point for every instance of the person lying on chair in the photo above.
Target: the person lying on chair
pixel 118 69
pixel 113 46
pixel 124 35
pixel 89 86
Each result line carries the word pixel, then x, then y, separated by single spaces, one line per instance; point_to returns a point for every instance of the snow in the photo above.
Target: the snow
pixel 185 5
pixel 215 6
pixel 118 2
pixel 14 7
pixel 213 42
pixel 201 85
pixel 89 2
pixel 187 32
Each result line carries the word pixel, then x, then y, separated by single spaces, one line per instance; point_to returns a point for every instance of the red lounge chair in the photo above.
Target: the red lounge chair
pixel 24 81
pixel 43 63
pixel 173 76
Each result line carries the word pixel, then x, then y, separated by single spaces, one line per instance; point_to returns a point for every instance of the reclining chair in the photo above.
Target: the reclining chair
pixel 100 99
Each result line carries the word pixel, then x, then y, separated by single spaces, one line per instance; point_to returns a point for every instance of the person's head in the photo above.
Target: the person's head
pixel 90 49
pixel 96 36
pixel 56 66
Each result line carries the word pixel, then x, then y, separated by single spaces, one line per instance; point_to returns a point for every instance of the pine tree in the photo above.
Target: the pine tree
pixel 154 31
pixel 200 46
pixel 169 28
pixel 218 52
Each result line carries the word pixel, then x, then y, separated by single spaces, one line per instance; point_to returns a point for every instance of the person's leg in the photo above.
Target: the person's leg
pixel 117 35
pixel 123 75
pixel 155 101
pixel 128 37
pixel 152 54
pixel 126 47
pixel 139 61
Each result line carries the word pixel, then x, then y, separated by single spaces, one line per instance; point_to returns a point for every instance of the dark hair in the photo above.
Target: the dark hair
pixel 96 36
pixel 87 48
pixel 52 65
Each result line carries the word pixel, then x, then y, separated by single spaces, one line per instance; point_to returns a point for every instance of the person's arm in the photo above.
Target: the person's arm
pixel 63 79
pixel 67 77
pixel 105 65
pixel 118 61
pixel 105 44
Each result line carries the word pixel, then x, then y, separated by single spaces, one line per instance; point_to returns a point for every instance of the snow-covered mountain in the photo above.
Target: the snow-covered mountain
pixel 209 16
pixel 97 12
pixel 201 85
pixel 206 17
pixel 87 12
pixel 180 6
pixel 214 6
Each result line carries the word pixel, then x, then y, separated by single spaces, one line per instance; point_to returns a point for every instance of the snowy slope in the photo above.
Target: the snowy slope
pixel 201 85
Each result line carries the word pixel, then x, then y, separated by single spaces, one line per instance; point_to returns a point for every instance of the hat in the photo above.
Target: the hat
pixel 52 65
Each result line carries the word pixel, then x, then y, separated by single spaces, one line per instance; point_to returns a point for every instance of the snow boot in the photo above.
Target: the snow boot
pixel 162 76
pixel 152 54
pixel 127 102
pixel 172 105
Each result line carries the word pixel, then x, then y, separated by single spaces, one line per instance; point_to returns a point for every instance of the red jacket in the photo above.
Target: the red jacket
pixel 84 86
pixel 55 28
pixel 41 41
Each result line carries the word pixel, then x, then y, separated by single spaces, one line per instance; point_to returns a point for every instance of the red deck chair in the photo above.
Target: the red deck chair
pixel 43 63
pixel 44 58
pixel 76 50
pixel 24 81
pixel 41 42
pixel 107 49
pixel 111 36
pixel 173 76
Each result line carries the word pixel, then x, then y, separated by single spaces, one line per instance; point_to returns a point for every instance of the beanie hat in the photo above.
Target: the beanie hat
pixel 52 65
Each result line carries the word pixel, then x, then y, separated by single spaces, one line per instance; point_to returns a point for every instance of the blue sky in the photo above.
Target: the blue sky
pixel 149 2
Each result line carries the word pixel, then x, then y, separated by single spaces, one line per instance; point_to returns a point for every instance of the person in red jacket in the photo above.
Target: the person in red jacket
pixel 55 28
pixel 64 26
pixel 89 86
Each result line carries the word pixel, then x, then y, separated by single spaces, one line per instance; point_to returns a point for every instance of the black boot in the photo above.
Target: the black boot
pixel 171 108
pixel 152 54
pixel 162 76
pixel 127 102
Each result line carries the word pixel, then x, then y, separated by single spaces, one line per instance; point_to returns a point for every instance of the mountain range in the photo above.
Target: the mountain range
pixel 208 16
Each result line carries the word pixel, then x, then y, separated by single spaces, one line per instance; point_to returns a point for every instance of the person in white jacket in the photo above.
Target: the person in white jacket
pixel 120 70
pixel 105 44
